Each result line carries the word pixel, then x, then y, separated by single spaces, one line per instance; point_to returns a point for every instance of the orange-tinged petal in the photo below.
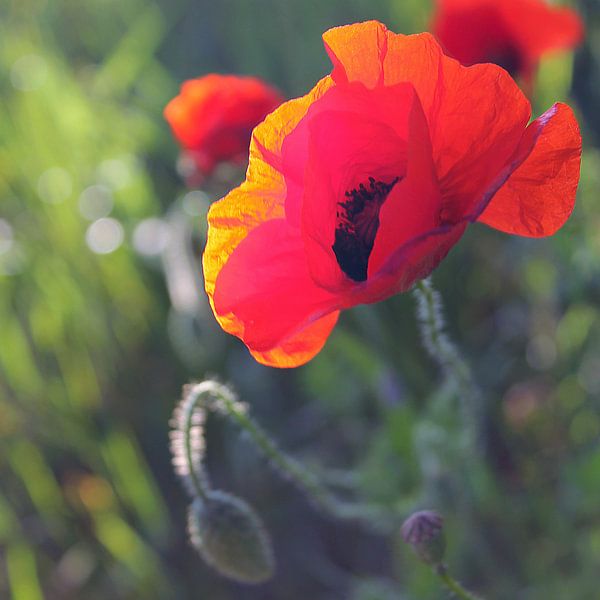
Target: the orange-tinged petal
pixel 476 115
pixel 539 196
pixel 268 137
pixel 357 52
pixel 260 198
pixel 300 348
pixel 369 53
pixel 231 220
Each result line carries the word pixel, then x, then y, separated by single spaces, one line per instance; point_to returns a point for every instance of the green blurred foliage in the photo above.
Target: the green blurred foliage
pixel 92 355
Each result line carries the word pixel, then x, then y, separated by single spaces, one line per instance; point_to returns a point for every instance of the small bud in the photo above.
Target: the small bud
pixel 230 537
pixel 424 532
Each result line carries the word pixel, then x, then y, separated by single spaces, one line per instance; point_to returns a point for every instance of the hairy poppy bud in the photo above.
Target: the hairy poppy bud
pixel 424 532
pixel 230 537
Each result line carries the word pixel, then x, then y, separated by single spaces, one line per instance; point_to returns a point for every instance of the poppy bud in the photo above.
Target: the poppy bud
pixel 230 537
pixel 424 532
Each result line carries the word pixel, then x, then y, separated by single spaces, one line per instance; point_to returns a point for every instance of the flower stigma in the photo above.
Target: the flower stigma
pixel 357 223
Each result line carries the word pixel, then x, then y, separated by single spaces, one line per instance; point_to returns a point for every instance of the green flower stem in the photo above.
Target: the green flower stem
pixel 287 465
pixel 215 397
pixel 454 586
pixel 437 343
pixel 195 469
pixel 442 350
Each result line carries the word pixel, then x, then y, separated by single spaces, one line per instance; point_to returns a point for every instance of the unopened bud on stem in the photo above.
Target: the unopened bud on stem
pixel 231 538
pixel 424 532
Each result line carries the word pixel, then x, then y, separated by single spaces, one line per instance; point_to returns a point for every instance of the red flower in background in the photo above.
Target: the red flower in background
pixel 362 186
pixel 213 117
pixel 511 33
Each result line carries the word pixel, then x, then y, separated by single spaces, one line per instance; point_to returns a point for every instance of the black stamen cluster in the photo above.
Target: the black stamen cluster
pixel 357 225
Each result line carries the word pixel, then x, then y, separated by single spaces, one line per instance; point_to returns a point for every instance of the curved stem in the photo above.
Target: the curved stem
pixel 212 396
pixel 194 469
pixel 454 586
pixel 292 469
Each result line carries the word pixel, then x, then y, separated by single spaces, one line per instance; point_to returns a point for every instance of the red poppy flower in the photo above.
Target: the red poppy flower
pixel 511 33
pixel 213 117
pixel 362 186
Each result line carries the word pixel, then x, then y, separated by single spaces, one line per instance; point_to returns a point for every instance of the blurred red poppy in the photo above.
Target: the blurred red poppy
pixel 511 33
pixel 213 117
pixel 361 187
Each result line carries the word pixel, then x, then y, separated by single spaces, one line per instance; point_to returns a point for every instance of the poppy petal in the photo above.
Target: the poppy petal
pixel 477 138
pixel 413 207
pixel 348 136
pixel 471 136
pixel 383 105
pixel 369 53
pixel 357 52
pixel 271 295
pixel 419 257
pixel 268 137
pixel 300 348
pixel 261 196
pixel 346 149
pixel 539 196
pixel 363 149
pixel 412 261
pixel 231 219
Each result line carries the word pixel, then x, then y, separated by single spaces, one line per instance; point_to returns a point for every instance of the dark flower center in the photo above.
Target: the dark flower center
pixel 357 224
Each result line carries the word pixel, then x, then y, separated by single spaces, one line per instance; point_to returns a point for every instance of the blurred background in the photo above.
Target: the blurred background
pixel 95 341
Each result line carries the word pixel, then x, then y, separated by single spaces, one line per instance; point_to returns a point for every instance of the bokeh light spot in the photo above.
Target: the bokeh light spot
pixel 104 235
pixel 151 237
